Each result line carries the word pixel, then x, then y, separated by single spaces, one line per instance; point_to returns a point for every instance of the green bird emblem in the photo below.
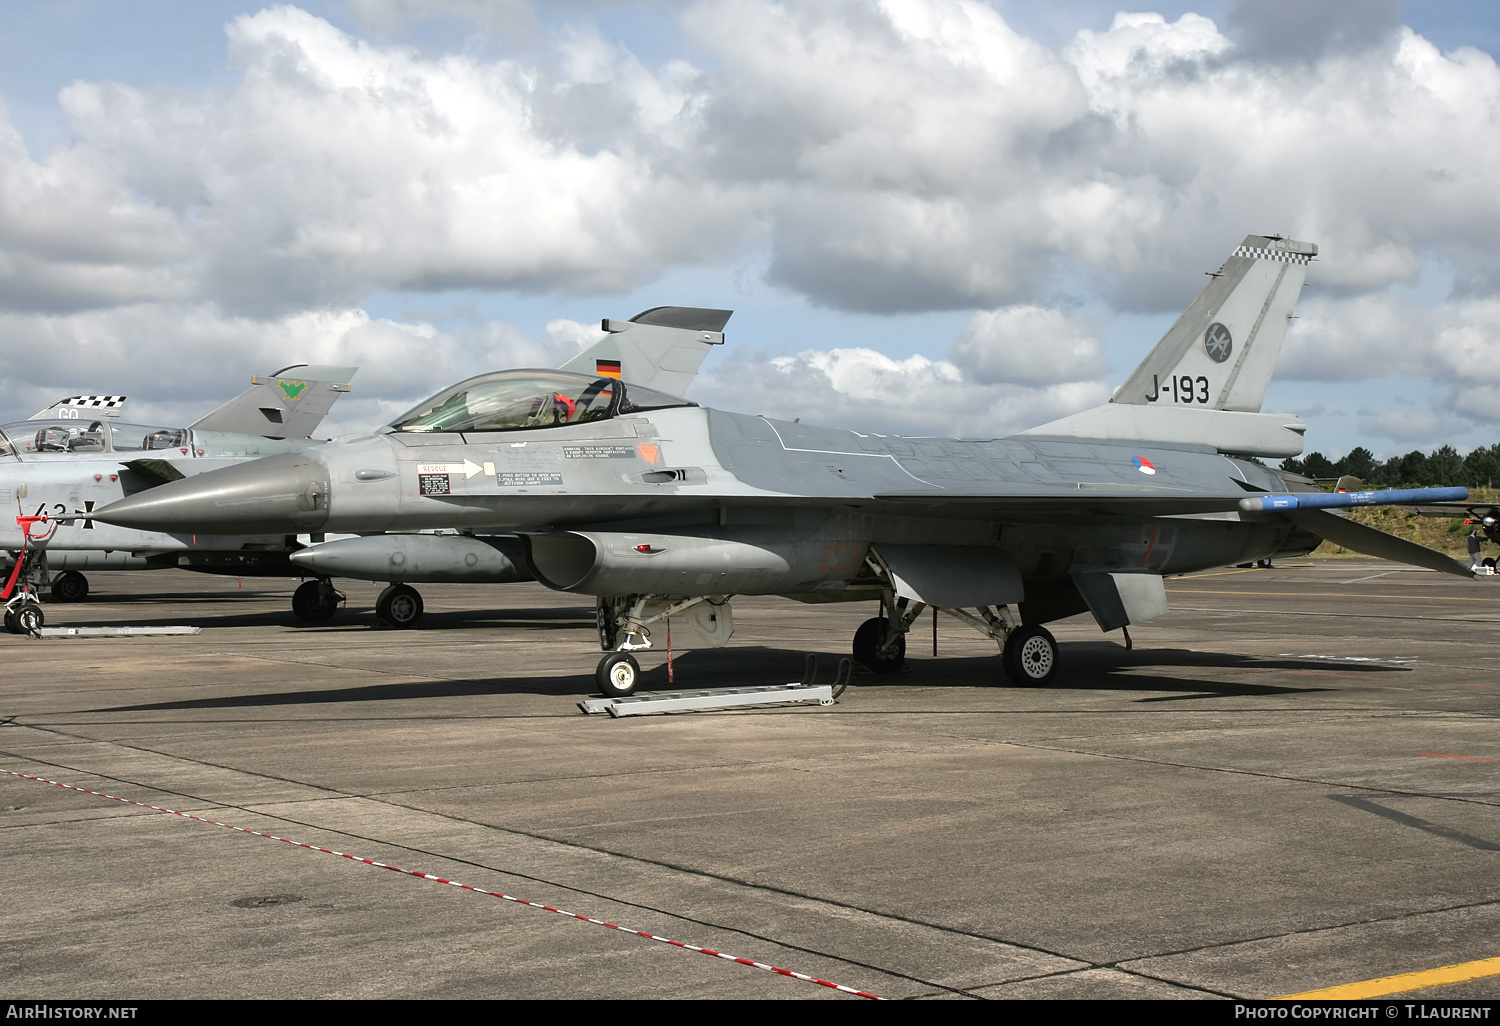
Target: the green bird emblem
pixel 292 388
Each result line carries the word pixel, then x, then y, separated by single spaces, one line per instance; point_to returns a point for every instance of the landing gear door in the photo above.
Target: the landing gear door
pixel 1118 600
pixel 953 576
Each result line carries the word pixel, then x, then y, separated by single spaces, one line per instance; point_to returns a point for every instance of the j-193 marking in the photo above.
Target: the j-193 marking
pixel 1182 388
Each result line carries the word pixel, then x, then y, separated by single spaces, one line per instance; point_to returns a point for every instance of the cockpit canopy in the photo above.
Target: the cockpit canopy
pixel 518 400
pixel 64 435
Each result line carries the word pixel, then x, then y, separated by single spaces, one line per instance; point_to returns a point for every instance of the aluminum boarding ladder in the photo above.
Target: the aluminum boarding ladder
pixel 727 698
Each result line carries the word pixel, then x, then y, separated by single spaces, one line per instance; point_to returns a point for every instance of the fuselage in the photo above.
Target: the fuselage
pixel 658 500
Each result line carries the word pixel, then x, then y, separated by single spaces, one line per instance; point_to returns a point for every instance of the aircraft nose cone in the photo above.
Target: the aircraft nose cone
pixel 285 494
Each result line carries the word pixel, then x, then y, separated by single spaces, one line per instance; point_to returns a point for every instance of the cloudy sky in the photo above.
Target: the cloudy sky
pixel 930 216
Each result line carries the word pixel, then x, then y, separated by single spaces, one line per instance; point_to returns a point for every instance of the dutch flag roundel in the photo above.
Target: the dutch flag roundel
pixel 1144 465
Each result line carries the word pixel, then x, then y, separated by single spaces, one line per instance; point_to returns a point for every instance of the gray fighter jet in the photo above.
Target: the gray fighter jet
pixel 663 510
pixel 67 461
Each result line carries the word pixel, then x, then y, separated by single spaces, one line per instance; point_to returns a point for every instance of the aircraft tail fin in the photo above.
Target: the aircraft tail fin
pixel 660 348
pixel 82 407
pixel 290 403
pixel 1221 352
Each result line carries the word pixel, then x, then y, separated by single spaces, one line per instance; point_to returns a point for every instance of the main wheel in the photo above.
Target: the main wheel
pixel 1489 561
pixel 311 604
pixel 617 675
pixel 1030 657
pixel 400 605
pixel 26 618
pixel 867 644
pixel 70 586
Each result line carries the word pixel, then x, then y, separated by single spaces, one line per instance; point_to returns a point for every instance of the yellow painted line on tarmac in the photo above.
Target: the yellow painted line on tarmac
pixel 1402 983
pixel 1222 573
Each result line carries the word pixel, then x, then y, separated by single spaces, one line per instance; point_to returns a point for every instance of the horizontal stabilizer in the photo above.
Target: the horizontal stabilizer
pixel 661 348
pixel 1368 540
pixel 290 403
pixel 1267 435
pixel 1347 500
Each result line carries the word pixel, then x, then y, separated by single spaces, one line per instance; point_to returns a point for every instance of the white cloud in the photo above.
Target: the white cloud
pixel 903 155
pixel 1029 345
pixel 1355 339
pixel 1410 426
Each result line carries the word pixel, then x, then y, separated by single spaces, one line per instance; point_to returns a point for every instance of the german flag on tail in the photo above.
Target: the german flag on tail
pixel 607 368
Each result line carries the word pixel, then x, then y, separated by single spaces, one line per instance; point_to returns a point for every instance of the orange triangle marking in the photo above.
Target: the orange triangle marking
pixel 649 453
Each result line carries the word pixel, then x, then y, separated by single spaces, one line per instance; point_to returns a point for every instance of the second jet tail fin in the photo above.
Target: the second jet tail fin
pixel 661 348
pixel 290 403
pixel 1221 352
pixel 82 407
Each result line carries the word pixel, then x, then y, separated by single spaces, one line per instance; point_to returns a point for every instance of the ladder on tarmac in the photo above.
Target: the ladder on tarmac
pixel 727 698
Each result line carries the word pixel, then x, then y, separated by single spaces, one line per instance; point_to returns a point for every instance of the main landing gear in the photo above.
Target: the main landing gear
pixel 1028 652
pixel 399 605
pixel 316 601
pixel 1029 656
pixel 70 586
pixel 876 650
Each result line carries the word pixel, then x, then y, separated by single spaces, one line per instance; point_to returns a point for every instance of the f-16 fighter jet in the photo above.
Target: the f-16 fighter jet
pixel 663 510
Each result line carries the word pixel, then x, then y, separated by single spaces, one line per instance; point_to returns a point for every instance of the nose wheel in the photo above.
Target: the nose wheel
pixel 1030 657
pixel 618 675
pixel 400 605
pixel 24 618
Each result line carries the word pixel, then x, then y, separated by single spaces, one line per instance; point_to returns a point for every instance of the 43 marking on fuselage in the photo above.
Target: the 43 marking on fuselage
pixel 60 512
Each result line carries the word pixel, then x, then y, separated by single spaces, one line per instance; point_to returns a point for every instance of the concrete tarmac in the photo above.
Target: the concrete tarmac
pixel 1289 783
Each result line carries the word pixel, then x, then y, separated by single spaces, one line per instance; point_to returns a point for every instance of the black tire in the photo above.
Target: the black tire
pixel 310 604
pixel 1030 657
pixel 70 586
pixel 867 642
pixel 400 605
pixel 26 618
pixel 1489 561
pixel 618 675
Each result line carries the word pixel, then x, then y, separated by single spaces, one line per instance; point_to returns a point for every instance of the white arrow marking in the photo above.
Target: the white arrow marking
pixel 467 468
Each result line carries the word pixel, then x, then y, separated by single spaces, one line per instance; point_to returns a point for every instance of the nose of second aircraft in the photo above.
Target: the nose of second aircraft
pixel 285 494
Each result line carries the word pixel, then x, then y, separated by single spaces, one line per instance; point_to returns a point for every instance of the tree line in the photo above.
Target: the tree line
pixel 1443 467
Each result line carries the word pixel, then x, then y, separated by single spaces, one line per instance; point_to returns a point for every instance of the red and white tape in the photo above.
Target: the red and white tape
pixel 454 883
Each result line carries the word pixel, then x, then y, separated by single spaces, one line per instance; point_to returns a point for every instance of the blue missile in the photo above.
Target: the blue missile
pixel 1343 500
